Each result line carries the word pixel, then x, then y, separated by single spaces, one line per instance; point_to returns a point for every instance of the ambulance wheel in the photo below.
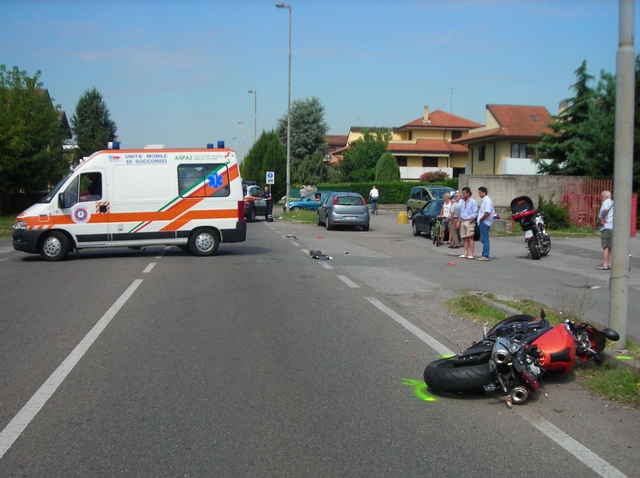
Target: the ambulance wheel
pixel 204 242
pixel 54 247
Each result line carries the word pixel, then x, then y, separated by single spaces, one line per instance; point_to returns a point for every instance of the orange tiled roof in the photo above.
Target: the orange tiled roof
pixel 514 121
pixel 337 139
pixel 440 119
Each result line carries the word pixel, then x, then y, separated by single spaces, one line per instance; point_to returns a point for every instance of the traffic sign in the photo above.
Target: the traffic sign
pixel 271 177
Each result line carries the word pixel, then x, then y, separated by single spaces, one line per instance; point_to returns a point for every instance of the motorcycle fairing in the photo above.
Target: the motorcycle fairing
pixel 557 348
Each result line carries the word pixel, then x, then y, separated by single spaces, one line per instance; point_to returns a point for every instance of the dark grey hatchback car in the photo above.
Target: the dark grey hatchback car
pixel 344 209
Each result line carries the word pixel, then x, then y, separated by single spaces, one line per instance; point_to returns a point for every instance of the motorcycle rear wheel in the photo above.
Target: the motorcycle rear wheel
pixel 546 245
pixel 445 376
pixel 534 248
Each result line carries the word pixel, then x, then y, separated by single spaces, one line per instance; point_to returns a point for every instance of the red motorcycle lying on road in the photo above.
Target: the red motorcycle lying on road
pixel 514 355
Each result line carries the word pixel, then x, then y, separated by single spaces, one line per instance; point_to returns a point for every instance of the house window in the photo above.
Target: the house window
pixel 402 161
pixel 410 135
pixel 456 135
pixel 428 162
pixel 521 150
pixel 482 153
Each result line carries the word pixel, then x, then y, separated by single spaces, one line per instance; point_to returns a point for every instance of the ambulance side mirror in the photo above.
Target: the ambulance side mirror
pixel 62 201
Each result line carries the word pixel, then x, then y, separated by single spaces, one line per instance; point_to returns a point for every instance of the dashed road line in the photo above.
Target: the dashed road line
pixel 349 282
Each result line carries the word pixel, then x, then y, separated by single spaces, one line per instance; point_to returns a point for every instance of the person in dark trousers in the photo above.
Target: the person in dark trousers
pixel 269 200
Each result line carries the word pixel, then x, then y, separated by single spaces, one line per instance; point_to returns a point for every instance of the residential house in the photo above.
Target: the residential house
pixel 425 144
pixel 503 145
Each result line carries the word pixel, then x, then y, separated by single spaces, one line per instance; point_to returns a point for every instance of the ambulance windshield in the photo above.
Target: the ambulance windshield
pixel 55 190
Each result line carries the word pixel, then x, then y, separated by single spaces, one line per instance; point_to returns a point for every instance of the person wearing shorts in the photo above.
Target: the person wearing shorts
pixel 606 229
pixel 467 222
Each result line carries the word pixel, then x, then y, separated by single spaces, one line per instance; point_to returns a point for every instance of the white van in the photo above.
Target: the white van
pixel 190 198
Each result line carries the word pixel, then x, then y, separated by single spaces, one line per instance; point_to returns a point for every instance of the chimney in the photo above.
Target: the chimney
pixel 426 114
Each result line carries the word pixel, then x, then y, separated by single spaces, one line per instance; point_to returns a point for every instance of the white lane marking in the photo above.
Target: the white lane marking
pixel 582 453
pixel 349 282
pixel 426 338
pixel 276 230
pixel 17 425
pixel 149 268
pixel 325 265
pixel 296 243
pixel 164 251
pixel 578 450
pixel 306 251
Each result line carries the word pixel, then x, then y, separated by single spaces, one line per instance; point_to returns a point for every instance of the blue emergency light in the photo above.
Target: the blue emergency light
pixel 113 145
pixel 220 144
pixel 209 145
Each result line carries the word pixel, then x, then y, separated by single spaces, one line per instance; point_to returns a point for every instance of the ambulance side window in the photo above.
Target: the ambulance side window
pixel 203 180
pixel 90 187
pixel 71 193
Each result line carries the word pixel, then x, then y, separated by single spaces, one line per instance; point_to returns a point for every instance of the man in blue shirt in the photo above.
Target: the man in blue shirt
pixel 467 222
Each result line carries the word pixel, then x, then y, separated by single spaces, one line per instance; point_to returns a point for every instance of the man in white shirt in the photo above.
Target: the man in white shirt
pixel 374 194
pixel 606 228
pixel 485 219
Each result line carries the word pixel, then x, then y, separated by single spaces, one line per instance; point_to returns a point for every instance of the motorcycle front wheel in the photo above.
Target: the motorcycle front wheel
pixel 446 376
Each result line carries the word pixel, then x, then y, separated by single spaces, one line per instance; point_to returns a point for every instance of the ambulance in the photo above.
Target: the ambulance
pixel 189 198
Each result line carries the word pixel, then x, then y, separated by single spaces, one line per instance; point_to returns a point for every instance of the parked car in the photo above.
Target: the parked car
pixel 424 219
pixel 254 203
pixel 344 209
pixel 309 203
pixel 421 195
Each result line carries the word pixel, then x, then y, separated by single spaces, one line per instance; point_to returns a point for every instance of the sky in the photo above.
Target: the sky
pixel 178 72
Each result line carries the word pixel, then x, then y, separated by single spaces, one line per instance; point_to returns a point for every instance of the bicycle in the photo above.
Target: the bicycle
pixel 374 207
pixel 436 232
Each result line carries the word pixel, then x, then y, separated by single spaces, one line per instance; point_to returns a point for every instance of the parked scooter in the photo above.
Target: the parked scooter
pixel 514 354
pixel 532 222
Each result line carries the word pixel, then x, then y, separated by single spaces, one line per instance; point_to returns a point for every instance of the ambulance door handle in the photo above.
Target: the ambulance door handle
pixel 102 208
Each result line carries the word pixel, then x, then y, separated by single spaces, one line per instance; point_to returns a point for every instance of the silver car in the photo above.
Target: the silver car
pixel 344 209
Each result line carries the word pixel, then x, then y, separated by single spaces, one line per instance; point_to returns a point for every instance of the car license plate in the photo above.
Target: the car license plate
pixel 528 234
pixel 349 218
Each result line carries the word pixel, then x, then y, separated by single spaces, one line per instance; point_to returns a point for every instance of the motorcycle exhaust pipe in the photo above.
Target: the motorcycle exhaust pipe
pixel 501 354
pixel 519 394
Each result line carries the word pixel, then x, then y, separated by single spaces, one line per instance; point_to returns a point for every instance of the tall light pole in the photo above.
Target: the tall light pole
pixel 255 115
pixel 242 123
pixel 284 5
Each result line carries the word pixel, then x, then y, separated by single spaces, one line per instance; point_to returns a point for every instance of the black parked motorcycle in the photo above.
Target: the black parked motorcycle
pixel 532 222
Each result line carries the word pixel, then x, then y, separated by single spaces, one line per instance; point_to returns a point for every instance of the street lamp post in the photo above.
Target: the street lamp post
pixel 242 123
pixel 284 5
pixel 255 115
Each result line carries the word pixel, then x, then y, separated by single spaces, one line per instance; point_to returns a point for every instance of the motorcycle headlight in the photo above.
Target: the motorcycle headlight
pixel 20 225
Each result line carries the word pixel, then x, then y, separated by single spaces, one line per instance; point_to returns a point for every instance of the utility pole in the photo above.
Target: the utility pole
pixel 623 171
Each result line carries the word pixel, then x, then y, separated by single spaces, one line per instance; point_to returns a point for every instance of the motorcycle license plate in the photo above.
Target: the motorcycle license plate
pixel 528 234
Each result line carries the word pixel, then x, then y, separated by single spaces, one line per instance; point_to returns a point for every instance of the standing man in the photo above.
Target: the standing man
pixel 467 222
pixel 374 195
pixel 303 192
pixel 454 216
pixel 605 218
pixel 269 201
pixel 485 219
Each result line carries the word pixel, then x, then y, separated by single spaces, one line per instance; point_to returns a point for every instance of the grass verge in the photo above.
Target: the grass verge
pixel 6 226
pixel 620 385
pixel 306 217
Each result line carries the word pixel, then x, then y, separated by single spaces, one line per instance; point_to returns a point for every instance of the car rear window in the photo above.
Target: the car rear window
pixel 349 201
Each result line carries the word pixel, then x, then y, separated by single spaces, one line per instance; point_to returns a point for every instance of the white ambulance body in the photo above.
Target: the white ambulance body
pixel 191 198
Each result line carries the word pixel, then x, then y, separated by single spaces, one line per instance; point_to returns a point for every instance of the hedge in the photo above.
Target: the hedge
pixel 390 193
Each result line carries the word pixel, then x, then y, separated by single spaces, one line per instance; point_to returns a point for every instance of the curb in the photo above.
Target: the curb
pixel 615 358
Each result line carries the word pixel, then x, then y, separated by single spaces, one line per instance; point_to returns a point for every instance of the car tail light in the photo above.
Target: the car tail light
pixel 240 211
pixel 363 201
pixel 335 200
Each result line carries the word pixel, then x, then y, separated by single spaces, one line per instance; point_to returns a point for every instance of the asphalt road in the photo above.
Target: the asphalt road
pixel 264 362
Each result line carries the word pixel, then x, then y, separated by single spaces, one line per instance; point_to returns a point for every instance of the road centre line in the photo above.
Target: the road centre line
pixel 296 243
pixel 349 282
pixel 582 453
pixel 325 265
pixel 306 251
pixel 149 268
pixel 24 417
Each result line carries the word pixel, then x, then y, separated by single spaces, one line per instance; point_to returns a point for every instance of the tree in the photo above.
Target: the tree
pixel 311 170
pixel 267 154
pixel 308 128
pixel 359 161
pixel 31 135
pixel 387 169
pixel 567 132
pixel 91 124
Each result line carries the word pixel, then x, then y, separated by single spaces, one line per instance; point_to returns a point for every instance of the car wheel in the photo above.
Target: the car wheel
pixel 365 227
pixel 252 216
pixel 204 242
pixel 327 225
pixel 409 213
pixel 295 208
pixel 54 247
pixel 319 221
pixel 414 228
